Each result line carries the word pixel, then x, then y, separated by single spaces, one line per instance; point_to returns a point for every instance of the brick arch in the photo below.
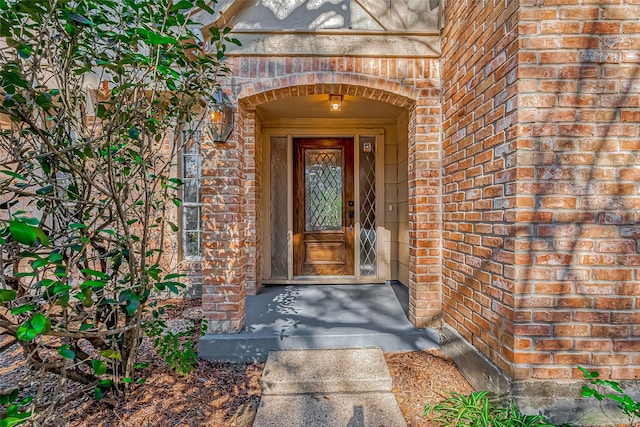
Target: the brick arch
pixel 422 104
pixel 353 84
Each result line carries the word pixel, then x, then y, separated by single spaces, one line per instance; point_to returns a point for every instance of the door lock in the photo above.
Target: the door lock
pixel 351 215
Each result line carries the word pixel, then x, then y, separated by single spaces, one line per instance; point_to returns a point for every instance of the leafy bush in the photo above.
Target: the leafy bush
pixel 477 410
pixel 626 403
pixel 91 91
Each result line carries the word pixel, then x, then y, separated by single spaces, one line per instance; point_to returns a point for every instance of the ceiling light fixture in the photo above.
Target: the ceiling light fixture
pixel 336 102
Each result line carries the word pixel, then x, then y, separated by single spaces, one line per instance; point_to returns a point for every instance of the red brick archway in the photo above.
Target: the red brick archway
pixel 223 302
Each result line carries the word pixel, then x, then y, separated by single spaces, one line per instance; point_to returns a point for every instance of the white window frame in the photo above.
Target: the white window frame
pixel 190 204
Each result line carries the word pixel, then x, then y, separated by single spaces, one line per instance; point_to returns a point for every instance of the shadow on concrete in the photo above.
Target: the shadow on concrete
pixel 320 317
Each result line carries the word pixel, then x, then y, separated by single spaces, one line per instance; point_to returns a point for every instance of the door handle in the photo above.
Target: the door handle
pixel 351 215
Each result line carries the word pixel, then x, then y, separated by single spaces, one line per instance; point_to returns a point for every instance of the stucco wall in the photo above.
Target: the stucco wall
pixel 402 195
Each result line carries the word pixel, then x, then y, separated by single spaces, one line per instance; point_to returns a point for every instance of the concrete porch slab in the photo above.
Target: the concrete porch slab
pixel 319 317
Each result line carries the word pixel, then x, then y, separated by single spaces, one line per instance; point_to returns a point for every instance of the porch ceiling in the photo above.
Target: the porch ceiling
pixel 317 106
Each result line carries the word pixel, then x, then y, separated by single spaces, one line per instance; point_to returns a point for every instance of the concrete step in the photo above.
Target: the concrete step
pixel 326 371
pixel 327 388
pixel 329 410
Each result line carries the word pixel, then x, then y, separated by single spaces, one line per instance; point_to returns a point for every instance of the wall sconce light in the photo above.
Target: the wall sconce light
pixel 336 102
pixel 218 121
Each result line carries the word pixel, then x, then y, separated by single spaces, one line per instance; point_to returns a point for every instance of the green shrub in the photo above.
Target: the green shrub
pixel 91 92
pixel 477 410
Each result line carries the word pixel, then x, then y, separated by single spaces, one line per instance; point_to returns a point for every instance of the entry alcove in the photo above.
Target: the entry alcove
pixel 312 195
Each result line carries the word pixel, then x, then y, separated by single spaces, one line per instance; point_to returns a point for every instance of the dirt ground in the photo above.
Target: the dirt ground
pixel 223 394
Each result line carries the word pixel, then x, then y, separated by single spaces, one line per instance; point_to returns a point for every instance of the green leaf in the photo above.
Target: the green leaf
pixel 72 192
pixel 38 322
pixel 10 78
pixel 23 233
pixel 95 273
pixel 181 5
pixel 7 295
pixel 86 326
pixel 31 328
pixel 28 220
pixel 76 17
pixel 202 4
pixel 6 399
pixel 126 380
pixel 77 226
pixel 132 305
pixel 111 354
pixel 44 190
pixel 177 202
pixel 15 419
pixel 134 133
pixel 66 352
pixel 173 226
pixel 39 263
pixel 13 174
pixel 42 237
pixel 99 368
pixel 96 284
pixel 97 393
pixel 22 309
pixel 25 332
pixel 25 274
pixel 106 382
pixel 55 256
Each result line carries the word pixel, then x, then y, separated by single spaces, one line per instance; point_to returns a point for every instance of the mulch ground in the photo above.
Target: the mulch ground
pixel 225 394
pixel 423 377
pixel 214 394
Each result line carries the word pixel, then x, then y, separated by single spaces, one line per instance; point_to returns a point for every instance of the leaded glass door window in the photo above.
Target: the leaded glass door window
pixel 323 189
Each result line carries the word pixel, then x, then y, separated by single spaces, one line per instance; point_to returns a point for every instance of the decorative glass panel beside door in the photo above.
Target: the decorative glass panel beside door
pixel 367 182
pixel 278 189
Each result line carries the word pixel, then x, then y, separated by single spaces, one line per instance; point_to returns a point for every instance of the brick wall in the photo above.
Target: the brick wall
pixel 579 193
pixel 479 115
pixel 224 254
pixel 409 83
pixel 424 179
pixel 252 190
pixel 541 115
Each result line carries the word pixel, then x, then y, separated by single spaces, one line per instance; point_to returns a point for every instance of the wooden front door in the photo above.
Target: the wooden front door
pixel 323 217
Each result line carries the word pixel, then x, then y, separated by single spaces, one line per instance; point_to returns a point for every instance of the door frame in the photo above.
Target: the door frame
pixel 382 250
pixel 303 238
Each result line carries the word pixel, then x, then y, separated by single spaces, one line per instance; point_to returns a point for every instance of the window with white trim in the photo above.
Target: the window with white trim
pixel 191 170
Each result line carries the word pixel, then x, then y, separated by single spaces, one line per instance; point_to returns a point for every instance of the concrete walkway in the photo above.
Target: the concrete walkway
pixel 327 388
pixel 320 317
